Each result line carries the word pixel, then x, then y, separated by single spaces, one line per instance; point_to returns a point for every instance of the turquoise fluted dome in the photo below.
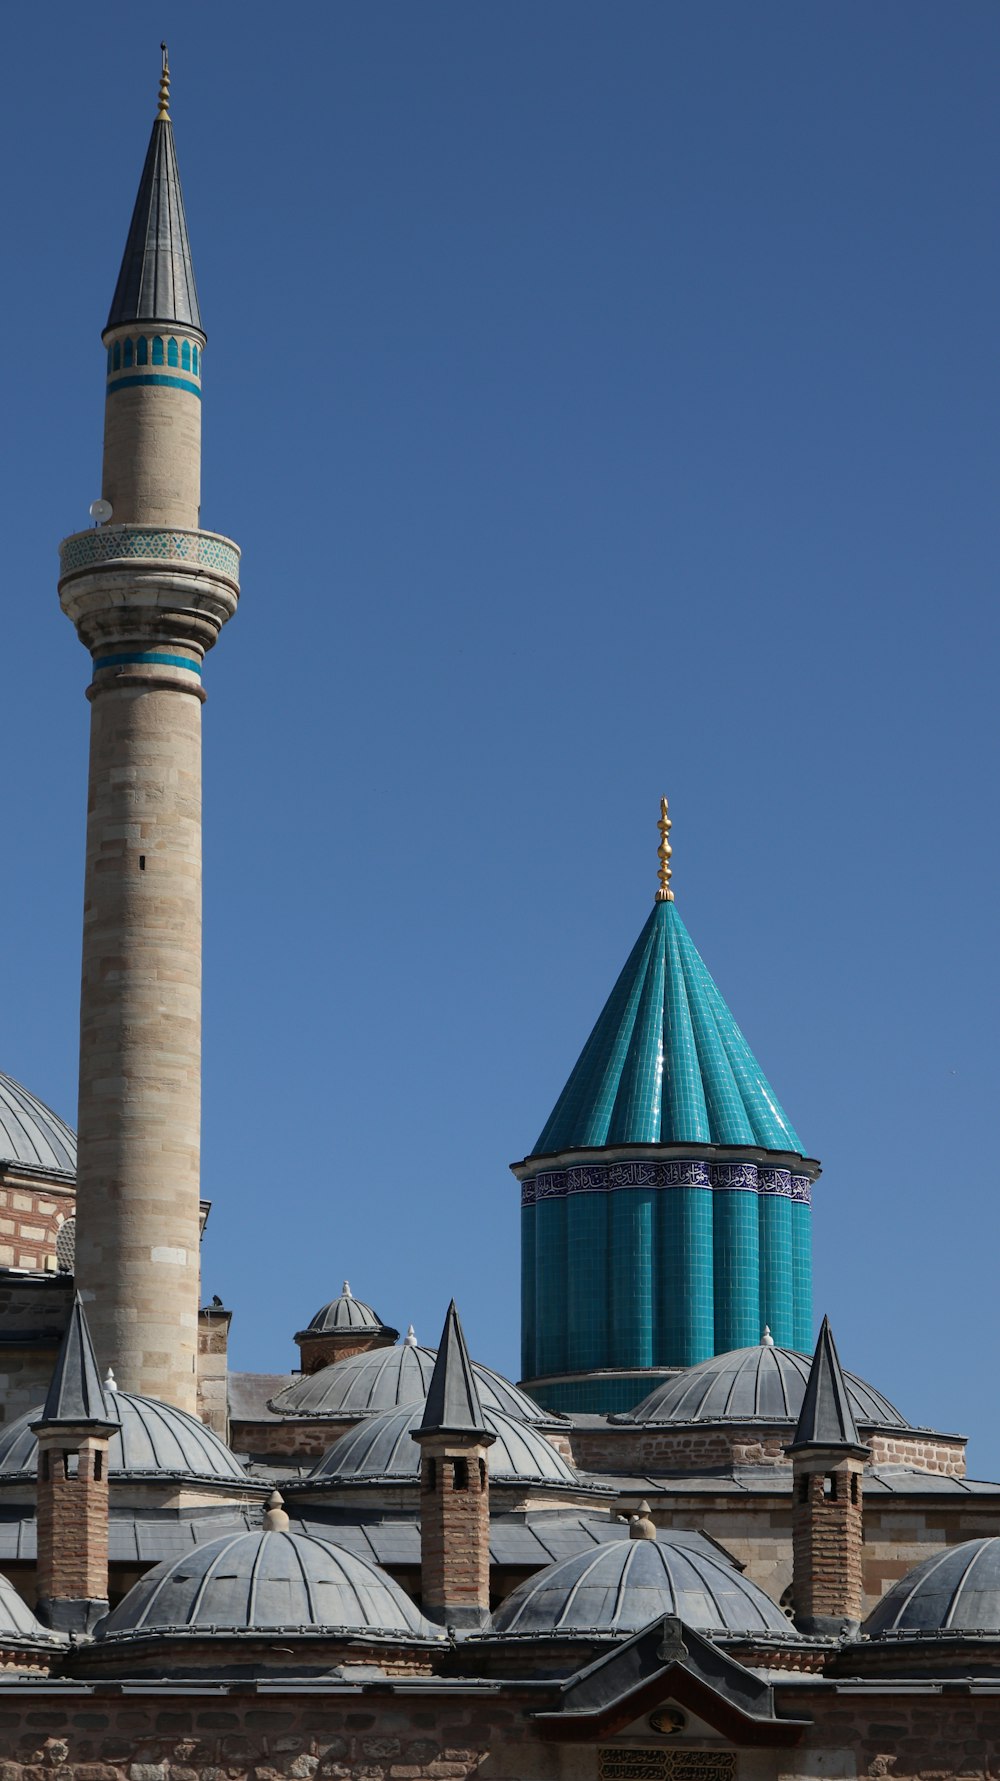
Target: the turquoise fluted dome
pixel 666 1062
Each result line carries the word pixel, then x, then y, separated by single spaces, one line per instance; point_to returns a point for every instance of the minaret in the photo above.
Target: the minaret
pixel 454 1489
pixel 77 1421
pixel 828 1459
pixel 148 592
pixel 666 1204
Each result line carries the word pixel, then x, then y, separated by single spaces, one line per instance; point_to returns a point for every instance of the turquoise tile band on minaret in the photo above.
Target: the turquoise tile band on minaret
pixel 665 1207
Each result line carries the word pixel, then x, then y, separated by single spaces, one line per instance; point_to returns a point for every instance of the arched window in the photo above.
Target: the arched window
pixel 118 355
pixel 173 357
pixel 158 351
pixel 110 360
pixel 127 354
pixel 186 355
pixel 142 351
pixel 194 360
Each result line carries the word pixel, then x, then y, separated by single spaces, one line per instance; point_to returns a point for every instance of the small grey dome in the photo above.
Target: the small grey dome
pixel 154 1441
pixel 762 1384
pixel 386 1378
pixel 31 1134
pixel 958 1591
pixel 16 1618
pixel 381 1449
pixel 624 1584
pixel 345 1312
pixel 256 1582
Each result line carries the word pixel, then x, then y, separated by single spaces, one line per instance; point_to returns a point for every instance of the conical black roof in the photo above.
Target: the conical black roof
pixel 76 1394
pixel 453 1405
pixel 156 281
pixel 826 1418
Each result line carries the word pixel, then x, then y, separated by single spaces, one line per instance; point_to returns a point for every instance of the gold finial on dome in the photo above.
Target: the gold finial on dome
pixel 664 851
pixel 164 111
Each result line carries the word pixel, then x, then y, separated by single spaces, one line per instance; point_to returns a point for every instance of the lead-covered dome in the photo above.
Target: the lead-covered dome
pixel 625 1584
pixel 257 1582
pixel 763 1384
pixel 155 1441
pixel 31 1135
pixel 17 1622
pixel 344 1313
pixel 957 1591
pixel 381 1449
pixel 387 1378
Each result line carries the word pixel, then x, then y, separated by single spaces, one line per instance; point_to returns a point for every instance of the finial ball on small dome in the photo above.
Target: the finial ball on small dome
pixel 641 1526
pixel 275 1516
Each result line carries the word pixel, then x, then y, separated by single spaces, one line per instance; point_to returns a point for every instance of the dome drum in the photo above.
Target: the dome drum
pixel 364 1385
pixel 341 1329
pixel 381 1453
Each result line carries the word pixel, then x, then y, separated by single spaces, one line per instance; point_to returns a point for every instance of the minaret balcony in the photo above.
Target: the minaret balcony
pixel 122 581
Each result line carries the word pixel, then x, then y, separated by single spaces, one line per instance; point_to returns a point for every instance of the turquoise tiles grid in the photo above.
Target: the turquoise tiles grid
pixel 635 1263
pixel 588 1293
pixel 632 1276
pixel 777 1285
pixel 666 1062
pixel 801 1240
pixel 685 1295
pixel 736 1251
pixel 550 1287
pixel 527 1289
pixel 597 1397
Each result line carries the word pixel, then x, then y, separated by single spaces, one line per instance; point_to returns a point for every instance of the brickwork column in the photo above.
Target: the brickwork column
pixel 72 1522
pixel 455 1529
pixel 827 1539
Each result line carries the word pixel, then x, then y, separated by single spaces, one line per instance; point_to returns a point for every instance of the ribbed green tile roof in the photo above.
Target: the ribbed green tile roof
pixel 666 1062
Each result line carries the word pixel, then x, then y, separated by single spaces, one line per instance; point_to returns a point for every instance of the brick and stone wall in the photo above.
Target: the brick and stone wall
pixel 235 1734
pixel 691 1448
pixel 32 1213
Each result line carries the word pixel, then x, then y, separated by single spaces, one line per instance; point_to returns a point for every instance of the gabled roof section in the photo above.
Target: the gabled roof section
pixel 156 281
pixel 76 1394
pixel 453 1396
pixel 667 1660
pixel 826 1418
pixel 666 1062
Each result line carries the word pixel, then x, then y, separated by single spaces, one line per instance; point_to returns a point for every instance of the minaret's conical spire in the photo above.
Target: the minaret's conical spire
pixel 76 1395
pixel 453 1397
pixel 156 281
pixel 826 1418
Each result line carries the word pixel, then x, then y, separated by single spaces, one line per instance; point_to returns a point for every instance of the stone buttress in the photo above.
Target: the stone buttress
pixel 666 1204
pixel 148 592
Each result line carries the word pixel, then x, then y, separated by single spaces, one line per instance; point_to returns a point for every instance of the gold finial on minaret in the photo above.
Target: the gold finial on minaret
pixel 164 111
pixel 664 894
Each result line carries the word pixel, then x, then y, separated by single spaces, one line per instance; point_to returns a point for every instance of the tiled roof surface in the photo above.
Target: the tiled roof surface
pixel 156 280
pixel 666 1062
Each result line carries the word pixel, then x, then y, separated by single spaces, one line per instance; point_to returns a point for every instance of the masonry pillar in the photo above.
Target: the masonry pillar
pixel 828 1460
pixel 454 1490
pixel 73 1433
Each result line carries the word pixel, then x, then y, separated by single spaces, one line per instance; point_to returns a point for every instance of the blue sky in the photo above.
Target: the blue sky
pixel 604 400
